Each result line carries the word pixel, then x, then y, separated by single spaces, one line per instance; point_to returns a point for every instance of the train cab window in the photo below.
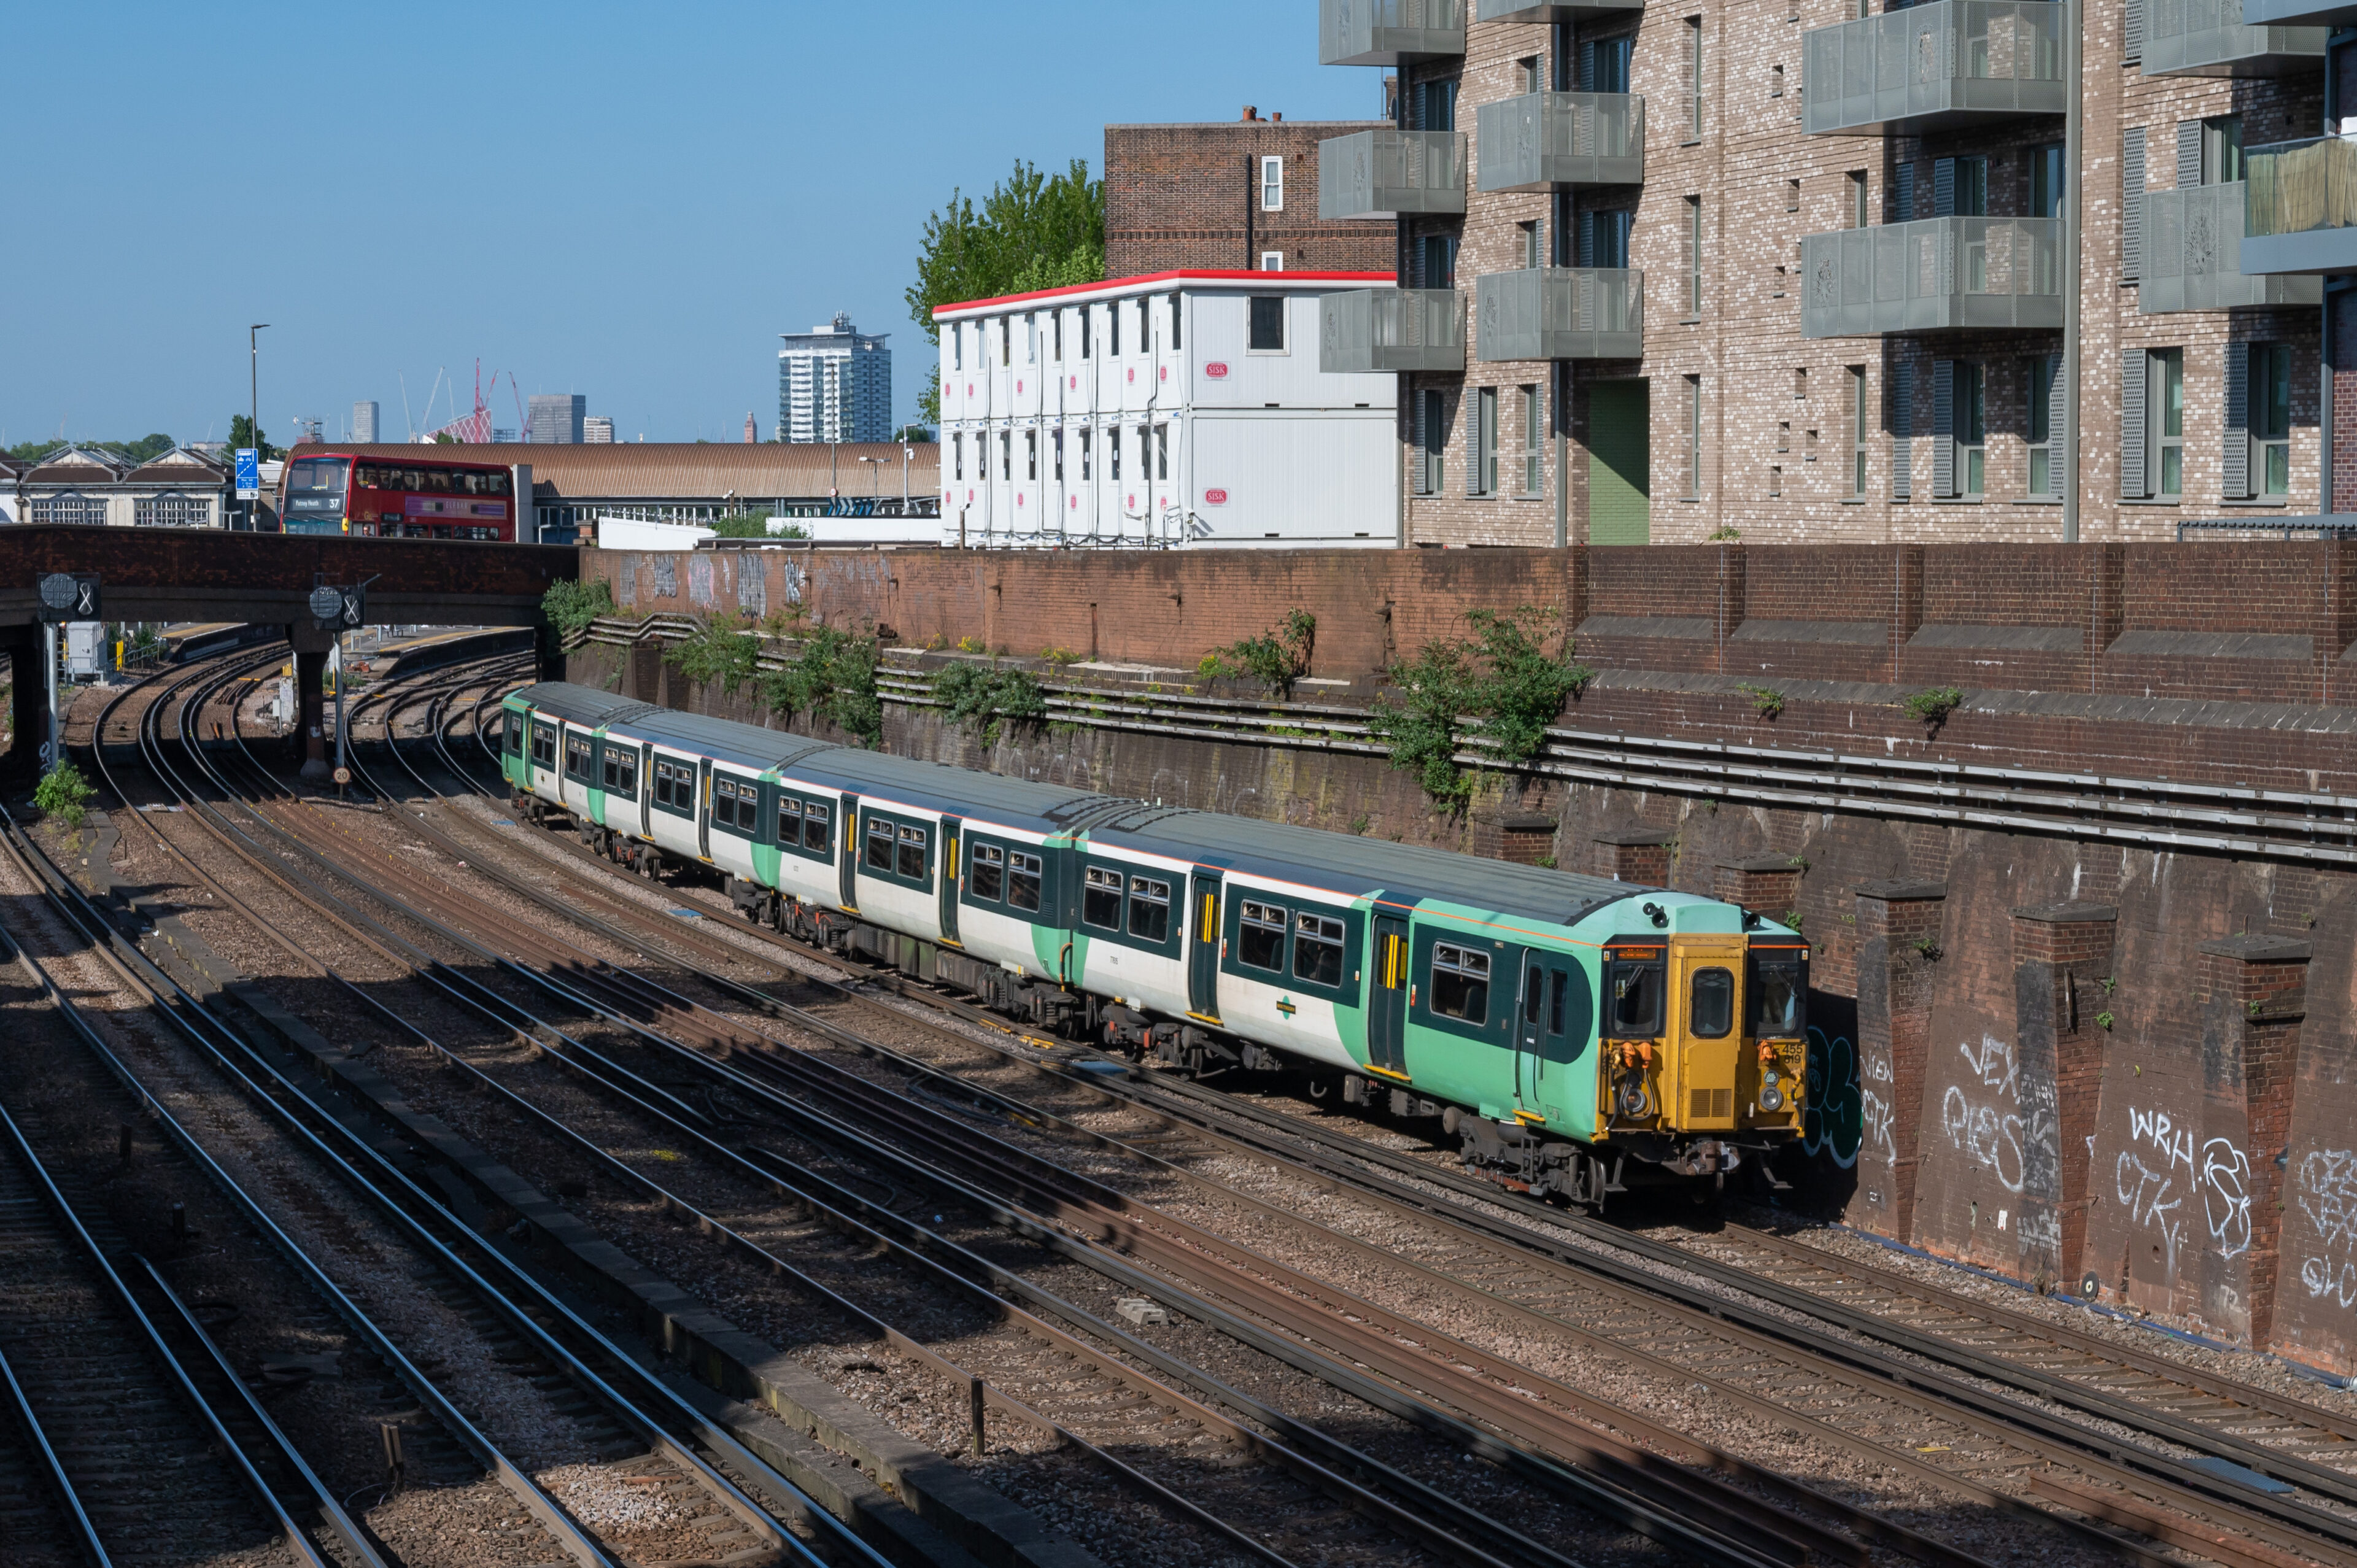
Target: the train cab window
pixel 1022 880
pixel 543 746
pixel 879 844
pixel 511 734
pixel 734 803
pixel 576 757
pixel 1100 900
pixel 1150 908
pixel 1779 992
pixel 1555 1006
pixel 1535 998
pixel 1318 949
pixel 619 771
pixel 1460 984
pixel 790 822
pixel 675 786
pixel 1710 1005
pixel 1633 982
pixel 912 853
pixel 985 873
pixel 817 826
pixel 1260 935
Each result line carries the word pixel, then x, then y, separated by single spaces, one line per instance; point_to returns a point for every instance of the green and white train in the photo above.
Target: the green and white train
pixel 1563 1025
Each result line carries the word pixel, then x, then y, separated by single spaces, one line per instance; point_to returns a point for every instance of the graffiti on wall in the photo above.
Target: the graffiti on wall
pixel 1988 1117
pixel 2328 1195
pixel 1833 1122
pixel 2168 1169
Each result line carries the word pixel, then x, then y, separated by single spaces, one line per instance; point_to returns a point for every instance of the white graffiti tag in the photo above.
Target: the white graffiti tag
pixel 2328 1195
pixel 1978 1118
pixel 2147 1192
pixel 2218 1170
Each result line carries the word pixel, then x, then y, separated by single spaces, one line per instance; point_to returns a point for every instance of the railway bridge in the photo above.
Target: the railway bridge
pixel 177 575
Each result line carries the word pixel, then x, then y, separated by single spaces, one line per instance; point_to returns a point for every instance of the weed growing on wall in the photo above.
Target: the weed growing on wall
pixel 833 678
pixel 1766 701
pixel 1935 706
pixel 983 701
pixel 719 649
pixel 571 606
pixel 1276 657
pixel 1500 686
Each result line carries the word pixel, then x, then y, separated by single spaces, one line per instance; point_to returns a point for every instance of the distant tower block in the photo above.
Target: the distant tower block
pixel 597 430
pixel 835 383
pixel 556 417
pixel 751 435
pixel 363 423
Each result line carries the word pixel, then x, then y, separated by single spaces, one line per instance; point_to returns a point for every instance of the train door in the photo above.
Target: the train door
pixel 1530 1022
pixel 1387 996
pixel 704 807
pixel 846 851
pixel 950 880
pixel 1203 957
pixel 646 789
pixel 1706 1000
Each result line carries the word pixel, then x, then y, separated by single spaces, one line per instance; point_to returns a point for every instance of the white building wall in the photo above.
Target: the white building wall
pixel 1173 428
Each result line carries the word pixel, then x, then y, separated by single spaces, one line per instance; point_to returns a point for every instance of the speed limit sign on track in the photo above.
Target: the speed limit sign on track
pixel 343 775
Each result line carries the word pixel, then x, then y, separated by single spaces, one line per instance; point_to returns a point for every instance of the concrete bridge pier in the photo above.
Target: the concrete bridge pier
pixel 311 647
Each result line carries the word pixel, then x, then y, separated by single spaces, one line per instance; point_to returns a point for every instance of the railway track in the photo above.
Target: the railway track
pixel 2181 1499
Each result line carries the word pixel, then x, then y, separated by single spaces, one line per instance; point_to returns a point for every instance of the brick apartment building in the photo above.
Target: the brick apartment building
pixel 1240 196
pixel 1800 270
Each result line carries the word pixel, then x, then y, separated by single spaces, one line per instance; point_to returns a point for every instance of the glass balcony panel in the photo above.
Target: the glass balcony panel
pixel 1935 274
pixel 1544 140
pixel 1389 32
pixel 2216 37
pixel 2192 255
pixel 1948 63
pixel 2300 13
pixel 2300 207
pixel 1554 10
pixel 1374 330
pixel 1382 174
pixel 1561 313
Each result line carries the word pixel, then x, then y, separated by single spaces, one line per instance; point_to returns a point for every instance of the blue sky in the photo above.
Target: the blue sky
pixel 626 202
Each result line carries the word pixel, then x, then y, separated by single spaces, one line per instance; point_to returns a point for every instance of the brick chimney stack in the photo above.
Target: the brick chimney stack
pixel 1251 113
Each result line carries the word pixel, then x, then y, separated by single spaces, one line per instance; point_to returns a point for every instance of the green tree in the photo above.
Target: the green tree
pixel 1034 230
pixel 243 432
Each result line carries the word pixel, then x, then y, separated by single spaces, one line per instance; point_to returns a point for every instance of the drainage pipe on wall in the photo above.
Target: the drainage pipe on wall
pixel 2074 54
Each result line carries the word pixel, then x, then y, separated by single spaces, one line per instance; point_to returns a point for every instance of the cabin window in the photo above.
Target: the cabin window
pixel 1100 900
pixel 790 822
pixel 879 844
pixel 1779 992
pixel 912 853
pixel 816 821
pixel 1261 935
pixel 985 873
pixel 544 746
pixel 1460 984
pixel 1318 949
pixel 1633 982
pixel 1022 880
pixel 576 757
pixel 1150 908
pixel 1710 1003
pixel 619 771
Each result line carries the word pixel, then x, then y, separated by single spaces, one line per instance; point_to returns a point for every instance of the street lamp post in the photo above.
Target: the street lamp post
pixel 253 412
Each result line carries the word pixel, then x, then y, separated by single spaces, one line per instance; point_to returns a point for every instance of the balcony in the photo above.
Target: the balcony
pixel 2299 209
pixel 1936 274
pixel 1562 313
pixel 2216 37
pixel 2300 13
pixel 1554 10
pixel 1953 62
pixel 1388 32
pixel 1544 141
pixel 1382 174
pixel 2192 255
pixel 1382 329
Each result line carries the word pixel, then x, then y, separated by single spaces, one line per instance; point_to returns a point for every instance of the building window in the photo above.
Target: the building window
pixel 1775 81
pixel 1005 339
pixel 1088 314
pixel 1971 428
pixel 1972 187
pixel 2164 421
pixel 1482 441
pixel 957 347
pixel 1031 337
pixel 1175 315
pixel 1007 454
pixel 173 509
pixel 1694 438
pixel 1058 457
pixel 1435 106
pixel 2043 473
pixel 957 457
pixel 1272 261
pixel 1272 185
pixel 1031 455
pixel 1534 442
pixel 1084 457
pixel 1161 451
pixel 2045 181
pixel 1436 261
pixel 1775 479
pixel 1113 451
pixel 84 510
pixel 2221 149
pixel 1791 195
pixel 1858 209
pixel 1431 441
pixel 1113 328
pixel 1859 417
pixel 1693 258
pixel 2271 418
pixel 1533 76
pixel 1057 318
pixel 1267 324
pixel 1783 436
pixel 1530 244
pixel 1694 78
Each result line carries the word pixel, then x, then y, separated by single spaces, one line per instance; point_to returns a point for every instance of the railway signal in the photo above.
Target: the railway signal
pixel 340 610
pixel 64 596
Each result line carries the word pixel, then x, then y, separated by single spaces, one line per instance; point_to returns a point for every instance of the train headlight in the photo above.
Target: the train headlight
pixel 1634 1099
pixel 1772 1095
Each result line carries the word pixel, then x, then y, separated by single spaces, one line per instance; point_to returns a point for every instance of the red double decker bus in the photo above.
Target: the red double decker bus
pixel 398 497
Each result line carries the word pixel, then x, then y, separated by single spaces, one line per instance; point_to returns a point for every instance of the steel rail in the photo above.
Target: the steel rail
pixel 85 1536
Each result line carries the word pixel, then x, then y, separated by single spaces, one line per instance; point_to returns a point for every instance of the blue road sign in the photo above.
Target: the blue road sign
pixel 249 473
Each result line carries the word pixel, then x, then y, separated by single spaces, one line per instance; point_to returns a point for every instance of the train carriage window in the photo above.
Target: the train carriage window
pixel 511 734
pixel 1022 880
pixel 1260 935
pixel 675 786
pixel 1779 992
pixel 912 853
pixel 1100 900
pixel 544 746
pixel 879 844
pixel 1460 984
pixel 619 771
pixel 985 873
pixel 576 757
pixel 735 804
pixel 790 822
pixel 1710 1003
pixel 1318 949
pixel 817 829
pixel 1150 908
pixel 1633 986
